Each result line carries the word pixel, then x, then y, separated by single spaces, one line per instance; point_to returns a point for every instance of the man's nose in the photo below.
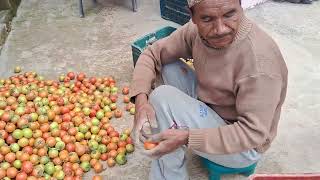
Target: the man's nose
pixel 220 27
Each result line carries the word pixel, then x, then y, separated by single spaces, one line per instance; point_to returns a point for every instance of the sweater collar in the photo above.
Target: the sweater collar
pixel 243 31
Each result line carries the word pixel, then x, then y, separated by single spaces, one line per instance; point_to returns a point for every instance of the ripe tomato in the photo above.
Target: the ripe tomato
pixel 149 145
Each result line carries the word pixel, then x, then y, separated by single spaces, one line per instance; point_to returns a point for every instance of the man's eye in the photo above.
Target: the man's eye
pixel 229 14
pixel 206 19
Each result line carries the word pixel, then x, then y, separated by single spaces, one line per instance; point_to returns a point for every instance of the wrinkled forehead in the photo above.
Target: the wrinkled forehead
pixel 194 2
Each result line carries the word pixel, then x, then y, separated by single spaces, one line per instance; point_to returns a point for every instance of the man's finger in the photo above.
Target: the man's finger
pixel 156 138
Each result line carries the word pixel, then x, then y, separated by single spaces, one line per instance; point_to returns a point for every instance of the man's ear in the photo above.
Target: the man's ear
pixel 191 15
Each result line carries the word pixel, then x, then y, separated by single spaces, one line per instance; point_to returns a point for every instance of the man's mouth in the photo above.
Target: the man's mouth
pixel 219 38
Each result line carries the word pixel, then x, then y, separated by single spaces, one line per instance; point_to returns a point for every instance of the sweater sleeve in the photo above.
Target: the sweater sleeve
pixel 164 51
pixel 257 98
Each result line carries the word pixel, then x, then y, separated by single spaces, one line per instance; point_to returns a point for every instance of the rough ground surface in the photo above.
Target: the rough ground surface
pixel 48 37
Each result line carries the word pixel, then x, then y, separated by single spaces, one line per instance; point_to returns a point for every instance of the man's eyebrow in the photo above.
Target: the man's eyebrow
pixel 231 11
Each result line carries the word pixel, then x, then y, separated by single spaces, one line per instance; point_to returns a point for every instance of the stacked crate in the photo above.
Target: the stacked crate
pixel 175 10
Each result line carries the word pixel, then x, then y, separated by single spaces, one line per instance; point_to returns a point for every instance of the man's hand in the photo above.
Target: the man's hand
pixel 169 140
pixel 144 117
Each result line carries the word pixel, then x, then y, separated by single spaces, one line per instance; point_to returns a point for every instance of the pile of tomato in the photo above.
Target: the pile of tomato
pixel 61 129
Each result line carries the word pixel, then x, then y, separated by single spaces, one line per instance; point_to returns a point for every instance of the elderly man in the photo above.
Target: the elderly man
pixel 227 110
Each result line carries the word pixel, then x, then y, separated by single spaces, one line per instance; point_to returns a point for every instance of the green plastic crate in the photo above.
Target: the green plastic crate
pixel 140 44
pixel 175 10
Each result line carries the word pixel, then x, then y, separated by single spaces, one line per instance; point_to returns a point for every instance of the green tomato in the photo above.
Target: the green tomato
pixel 100 114
pixel 102 148
pixel 61 77
pixel 58 168
pixel 1 112
pixel 113 106
pixel 95 154
pixel 42 110
pixel 15 147
pixel 53 153
pixel 14 92
pixel 47 176
pixel 95 122
pixel 15 118
pixel 44 159
pixel 20 110
pixel 23 142
pixel 95 129
pixel 17 164
pixel 34 116
pixel 88 135
pixel 17 134
pixel 45 101
pixel 106 109
pixel 58 139
pixel 25 89
pixel 60 145
pixel 40 78
pixel 22 99
pixel 3 104
pixel 77 109
pixel 33 86
pixel 123 137
pixel 121 159
pixel 132 110
pixel 54 125
pixel 94 145
pixel 5 165
pixel 27 133
pixel 37 99
pixel 114 90
pixel 107 89
pixel 83 128
pixel 59 175
pixel 85 166
pixel 86 111
pixel 129 148
pixel 49 168
pixel 79 136
pixel 17 69
pixel 98 138
pixel 60 92
pixel 2 142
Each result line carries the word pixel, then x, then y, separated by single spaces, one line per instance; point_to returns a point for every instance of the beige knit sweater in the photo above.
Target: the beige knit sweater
pixel 245 84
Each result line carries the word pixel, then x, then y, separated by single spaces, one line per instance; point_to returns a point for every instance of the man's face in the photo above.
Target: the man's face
pixel 217 21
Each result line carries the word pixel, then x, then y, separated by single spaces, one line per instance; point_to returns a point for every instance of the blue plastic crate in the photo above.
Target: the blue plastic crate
pixel 140 44
pixel 175 10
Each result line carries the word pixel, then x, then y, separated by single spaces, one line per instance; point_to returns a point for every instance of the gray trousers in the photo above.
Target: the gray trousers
pixel 177 100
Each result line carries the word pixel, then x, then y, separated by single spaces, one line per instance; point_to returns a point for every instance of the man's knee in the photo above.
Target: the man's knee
pixel 161 95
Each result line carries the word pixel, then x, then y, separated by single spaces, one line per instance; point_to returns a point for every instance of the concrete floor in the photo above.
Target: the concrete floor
pixel 48 37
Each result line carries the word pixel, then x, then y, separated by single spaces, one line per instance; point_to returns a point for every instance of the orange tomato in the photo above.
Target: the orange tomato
pixel 149 145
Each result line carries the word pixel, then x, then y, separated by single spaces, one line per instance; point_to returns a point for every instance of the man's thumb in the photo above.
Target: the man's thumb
pixel 156 138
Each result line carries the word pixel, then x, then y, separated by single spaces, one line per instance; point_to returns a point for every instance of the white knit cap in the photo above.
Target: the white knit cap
pixel 193 2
